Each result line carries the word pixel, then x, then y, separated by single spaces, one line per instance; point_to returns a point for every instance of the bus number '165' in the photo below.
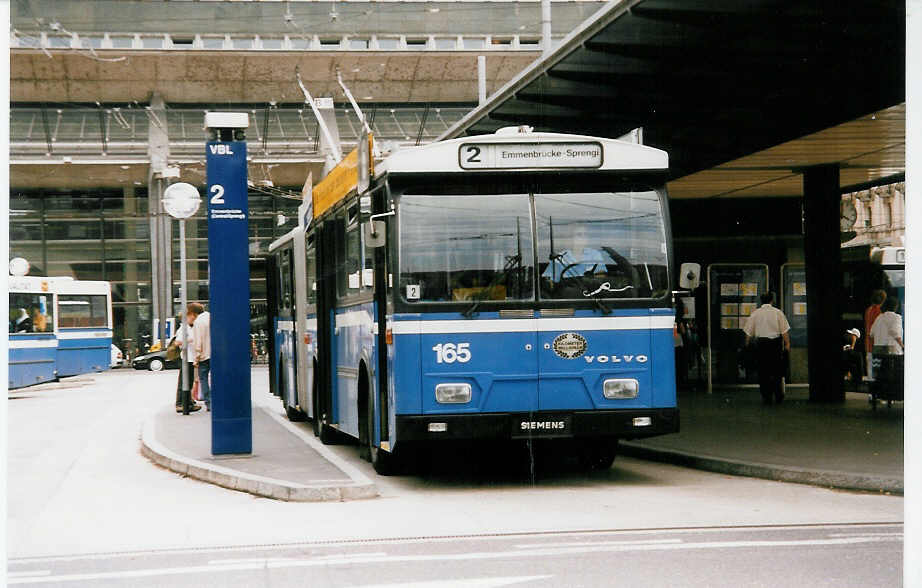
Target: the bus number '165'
pixel 450 352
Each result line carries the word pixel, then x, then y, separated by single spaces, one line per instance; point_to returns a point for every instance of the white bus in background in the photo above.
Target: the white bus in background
pixel 58 327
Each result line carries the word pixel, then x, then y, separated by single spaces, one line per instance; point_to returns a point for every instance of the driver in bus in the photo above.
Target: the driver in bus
pixel 39 320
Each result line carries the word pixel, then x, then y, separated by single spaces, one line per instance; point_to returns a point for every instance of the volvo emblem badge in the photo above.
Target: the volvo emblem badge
pixel 569 345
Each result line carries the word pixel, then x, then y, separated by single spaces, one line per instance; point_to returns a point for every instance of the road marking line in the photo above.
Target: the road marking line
pixel 595 543
pixel 865 535
pixel 25 560
pixel 341 556
pixel 471 556
pixel 461 583
pixel 28 574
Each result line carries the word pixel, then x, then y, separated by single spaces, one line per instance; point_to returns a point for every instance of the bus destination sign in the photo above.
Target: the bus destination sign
pixel 530 155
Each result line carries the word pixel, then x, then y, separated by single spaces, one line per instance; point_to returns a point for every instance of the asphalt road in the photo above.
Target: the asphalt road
pixel 86 509
pixel 820 555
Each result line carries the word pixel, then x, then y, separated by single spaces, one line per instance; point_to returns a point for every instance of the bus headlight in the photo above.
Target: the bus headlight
pixel 453 393
pixel 620 389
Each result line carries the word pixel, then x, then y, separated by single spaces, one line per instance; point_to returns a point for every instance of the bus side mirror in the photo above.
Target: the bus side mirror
pixel 375 233
pixel 689 276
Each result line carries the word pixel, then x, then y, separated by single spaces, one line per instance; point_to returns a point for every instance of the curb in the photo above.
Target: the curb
pixel 826 478
pixel 360 487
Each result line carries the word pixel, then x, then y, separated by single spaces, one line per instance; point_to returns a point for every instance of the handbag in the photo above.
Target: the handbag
pixel 173 350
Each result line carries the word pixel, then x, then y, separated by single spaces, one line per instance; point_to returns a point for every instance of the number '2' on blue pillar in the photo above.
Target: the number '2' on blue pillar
pixel 229 294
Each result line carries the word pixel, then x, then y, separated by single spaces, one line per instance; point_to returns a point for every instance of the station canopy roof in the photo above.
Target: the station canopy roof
pixel 742 94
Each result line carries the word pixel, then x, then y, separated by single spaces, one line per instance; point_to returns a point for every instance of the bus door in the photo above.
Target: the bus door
pixel 273 303
pixel 602 266
pixel 285 330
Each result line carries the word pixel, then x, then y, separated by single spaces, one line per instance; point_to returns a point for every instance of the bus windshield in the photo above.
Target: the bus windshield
pixel 606 245
pixel 466 247
pixel 590 245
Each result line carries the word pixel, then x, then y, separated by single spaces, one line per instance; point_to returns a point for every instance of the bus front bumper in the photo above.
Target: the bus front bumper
pixel 620 424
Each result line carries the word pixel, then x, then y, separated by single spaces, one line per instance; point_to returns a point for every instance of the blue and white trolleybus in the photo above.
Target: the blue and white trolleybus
pixel 506 286
pixel 58 327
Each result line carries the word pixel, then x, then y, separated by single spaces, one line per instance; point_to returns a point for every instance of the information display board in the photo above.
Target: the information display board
pixel 794 301
pixel 733 293
pixel 229 297
pixel 794 305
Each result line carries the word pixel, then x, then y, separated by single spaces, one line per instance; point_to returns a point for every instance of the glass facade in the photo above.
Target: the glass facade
pixel 104 234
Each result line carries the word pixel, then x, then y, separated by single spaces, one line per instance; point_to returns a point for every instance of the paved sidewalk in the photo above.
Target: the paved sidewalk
pixel 847 446
pixel 287 463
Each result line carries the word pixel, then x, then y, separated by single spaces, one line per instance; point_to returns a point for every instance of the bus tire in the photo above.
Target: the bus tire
pixel 294 415
pixel 315 402
pixel 599 455
pixel 384 462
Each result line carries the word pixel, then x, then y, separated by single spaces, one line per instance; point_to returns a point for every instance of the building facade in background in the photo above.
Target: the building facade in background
pixel 880 215
pixel 108 103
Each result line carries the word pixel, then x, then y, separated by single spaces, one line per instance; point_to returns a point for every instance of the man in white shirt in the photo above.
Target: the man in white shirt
pixel 770 330
pixel 887 331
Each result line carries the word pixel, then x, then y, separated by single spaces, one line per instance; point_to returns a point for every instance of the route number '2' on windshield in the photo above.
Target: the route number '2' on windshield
pixel 450 352
pixel 473 154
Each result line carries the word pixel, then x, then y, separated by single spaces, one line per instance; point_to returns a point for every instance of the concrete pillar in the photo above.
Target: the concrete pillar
pixel 823 257
pixel 130 328
pixel 161 250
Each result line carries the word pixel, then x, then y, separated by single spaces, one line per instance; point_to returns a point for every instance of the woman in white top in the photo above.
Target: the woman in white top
pixel 887 331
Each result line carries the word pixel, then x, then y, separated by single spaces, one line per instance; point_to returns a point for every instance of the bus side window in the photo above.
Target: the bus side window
pixel 340 240
pixel 353 259
pixel 30 313
pixel 285 280
pixel 311 271
pixel 368 265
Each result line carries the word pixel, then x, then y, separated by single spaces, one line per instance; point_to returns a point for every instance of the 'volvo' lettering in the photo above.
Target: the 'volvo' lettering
pixel 616 358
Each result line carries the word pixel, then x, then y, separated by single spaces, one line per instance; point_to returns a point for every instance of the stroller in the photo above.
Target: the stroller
pixel 888 378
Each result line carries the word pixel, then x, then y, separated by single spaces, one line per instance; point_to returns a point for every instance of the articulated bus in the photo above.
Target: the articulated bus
pixel 57 327
pixel 513 286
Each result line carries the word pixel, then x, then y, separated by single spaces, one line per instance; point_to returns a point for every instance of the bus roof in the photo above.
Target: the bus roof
pixel 36 283
pixel 517 149
pixel 284 239
pixel 83 287
pixel 509 150
pixel 888 255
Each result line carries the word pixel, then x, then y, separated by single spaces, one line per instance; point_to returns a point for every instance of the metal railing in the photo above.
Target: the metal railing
pixel 243 42
pixel 273 131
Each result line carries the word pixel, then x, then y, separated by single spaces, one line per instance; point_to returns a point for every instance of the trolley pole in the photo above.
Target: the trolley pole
pixel 229 283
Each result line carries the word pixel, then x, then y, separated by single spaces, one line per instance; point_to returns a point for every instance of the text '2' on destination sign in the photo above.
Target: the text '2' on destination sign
pixel 530 155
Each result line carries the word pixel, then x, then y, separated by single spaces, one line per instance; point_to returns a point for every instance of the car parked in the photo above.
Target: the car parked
pixel 154 362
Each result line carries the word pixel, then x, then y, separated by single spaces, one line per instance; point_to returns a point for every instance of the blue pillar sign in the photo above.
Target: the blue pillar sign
pixel 229 293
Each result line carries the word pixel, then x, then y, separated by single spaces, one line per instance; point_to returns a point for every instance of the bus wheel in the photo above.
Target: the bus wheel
pixel 155 365
pixel 384 462
pixel 294 415
pixel 599 454
pixel 315 401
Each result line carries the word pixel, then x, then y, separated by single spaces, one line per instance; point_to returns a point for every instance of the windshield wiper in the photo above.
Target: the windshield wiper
pixel 602 306
pixel 512 261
